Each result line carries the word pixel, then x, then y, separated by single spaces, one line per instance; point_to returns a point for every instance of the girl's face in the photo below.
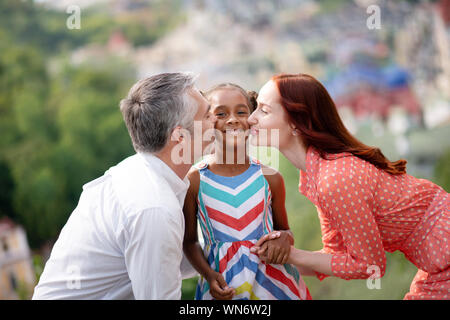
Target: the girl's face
pixel 269 124
pixel 231 111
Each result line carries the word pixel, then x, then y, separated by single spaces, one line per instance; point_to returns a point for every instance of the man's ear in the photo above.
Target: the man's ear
pixel 177 134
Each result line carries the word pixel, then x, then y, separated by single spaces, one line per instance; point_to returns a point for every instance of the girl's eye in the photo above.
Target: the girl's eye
pixel 220 114
pixel 242 112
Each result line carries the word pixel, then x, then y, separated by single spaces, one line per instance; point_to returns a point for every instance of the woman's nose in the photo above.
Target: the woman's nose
pixel 251 120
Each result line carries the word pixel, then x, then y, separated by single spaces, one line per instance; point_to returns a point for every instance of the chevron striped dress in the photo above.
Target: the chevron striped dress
pixel 233 213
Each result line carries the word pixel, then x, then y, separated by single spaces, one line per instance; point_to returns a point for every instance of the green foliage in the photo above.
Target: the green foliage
pixel 6 191
pixel 442 171
pixel 57 131
pixel 330 6
pixel 38 266
pixel 31 24
pixel 188 288
pixel 88 137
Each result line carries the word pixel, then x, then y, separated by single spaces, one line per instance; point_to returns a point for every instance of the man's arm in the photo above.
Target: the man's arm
pixel 153 255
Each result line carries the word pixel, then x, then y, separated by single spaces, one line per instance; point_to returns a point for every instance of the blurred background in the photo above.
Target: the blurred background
pixel 60 85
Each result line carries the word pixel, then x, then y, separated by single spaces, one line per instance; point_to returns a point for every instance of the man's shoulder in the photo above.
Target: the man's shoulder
pixel 138 188
pixel 161 211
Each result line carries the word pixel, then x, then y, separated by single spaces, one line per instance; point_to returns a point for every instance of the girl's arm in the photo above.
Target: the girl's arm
pixel 305 261
pixel 191 247
pixel 278 249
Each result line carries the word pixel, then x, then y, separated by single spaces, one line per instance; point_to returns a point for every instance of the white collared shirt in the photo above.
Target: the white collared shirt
pixel 124 240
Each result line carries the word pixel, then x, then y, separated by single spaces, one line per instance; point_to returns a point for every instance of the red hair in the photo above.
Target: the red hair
pixel 312 111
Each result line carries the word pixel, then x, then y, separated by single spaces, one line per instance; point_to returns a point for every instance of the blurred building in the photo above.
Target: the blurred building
pixel 16 271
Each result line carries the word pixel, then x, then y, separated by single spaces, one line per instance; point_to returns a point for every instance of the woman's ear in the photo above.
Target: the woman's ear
pixel 294 130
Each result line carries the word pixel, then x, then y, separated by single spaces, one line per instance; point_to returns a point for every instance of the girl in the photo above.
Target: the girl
pixel 366 204
pixel 237 200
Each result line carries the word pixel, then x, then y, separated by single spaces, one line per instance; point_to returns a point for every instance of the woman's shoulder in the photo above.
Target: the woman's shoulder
pixel 345 164
pixel 346 174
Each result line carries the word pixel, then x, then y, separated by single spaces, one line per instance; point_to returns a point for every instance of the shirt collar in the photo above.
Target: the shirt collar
pixel 178 185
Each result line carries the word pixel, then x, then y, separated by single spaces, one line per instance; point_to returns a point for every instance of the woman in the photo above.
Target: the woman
pixel 366 204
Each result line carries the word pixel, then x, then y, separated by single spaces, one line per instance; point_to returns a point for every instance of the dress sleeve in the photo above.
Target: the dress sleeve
pixel 351 232
pixel 331 239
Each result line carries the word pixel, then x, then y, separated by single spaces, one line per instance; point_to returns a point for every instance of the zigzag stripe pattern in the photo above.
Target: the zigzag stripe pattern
pixel 233 213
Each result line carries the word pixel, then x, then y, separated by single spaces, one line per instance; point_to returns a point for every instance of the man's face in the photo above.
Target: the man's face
pixel 203 126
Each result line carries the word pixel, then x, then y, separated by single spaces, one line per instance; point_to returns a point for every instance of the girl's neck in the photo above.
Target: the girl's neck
pixel 230 168
pixel 231 159
pixel 232 156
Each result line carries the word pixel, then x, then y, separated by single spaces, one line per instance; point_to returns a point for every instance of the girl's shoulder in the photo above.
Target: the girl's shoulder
pixel 202 164
pixel 194 173
pixel 272 175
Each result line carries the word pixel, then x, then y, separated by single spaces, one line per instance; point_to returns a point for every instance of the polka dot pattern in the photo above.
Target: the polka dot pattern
pixel 364 211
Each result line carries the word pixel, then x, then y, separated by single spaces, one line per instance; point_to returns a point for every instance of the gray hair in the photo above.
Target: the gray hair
pixel 155 106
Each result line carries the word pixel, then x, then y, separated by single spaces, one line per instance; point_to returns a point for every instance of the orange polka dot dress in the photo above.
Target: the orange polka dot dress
pixel 365 211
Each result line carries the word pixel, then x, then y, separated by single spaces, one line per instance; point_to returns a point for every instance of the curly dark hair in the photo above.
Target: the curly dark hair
pixel 251 96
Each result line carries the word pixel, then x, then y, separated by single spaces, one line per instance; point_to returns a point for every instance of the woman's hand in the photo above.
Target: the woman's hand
pixel 218 287
pixel 274 247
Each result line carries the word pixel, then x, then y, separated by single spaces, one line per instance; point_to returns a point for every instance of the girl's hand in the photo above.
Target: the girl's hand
pixel 219 288
pixel 273 248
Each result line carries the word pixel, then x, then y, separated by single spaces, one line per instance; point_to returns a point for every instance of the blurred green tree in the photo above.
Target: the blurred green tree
pixel 57 132
pixel 90 136
pixel 442 171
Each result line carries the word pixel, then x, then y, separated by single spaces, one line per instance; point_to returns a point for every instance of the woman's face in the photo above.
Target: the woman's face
pixel 231 110
pixel 269 119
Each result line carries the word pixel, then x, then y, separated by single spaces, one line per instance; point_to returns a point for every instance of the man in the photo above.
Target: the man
pixel 124 240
